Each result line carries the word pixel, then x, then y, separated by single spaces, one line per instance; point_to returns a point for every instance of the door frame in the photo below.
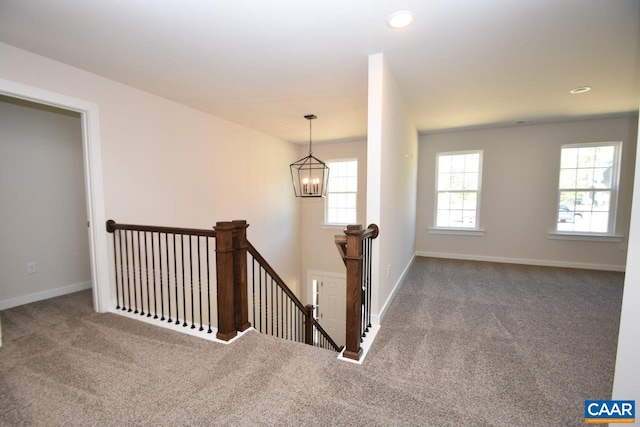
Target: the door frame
pixel 94 190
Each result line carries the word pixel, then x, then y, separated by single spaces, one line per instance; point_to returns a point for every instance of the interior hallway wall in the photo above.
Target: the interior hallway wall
pixel 168 164
pixel 392 152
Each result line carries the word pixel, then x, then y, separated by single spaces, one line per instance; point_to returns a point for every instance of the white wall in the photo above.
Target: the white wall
pixel 319 252
pixel 519 193
pixel 392 147
pixel 43 217
pixel 167 164
pixel 626 383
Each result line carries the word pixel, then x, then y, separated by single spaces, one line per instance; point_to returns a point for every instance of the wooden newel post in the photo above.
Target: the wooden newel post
pixel 224 275
pixel 240 275
pixel 308 324
pixel 353 260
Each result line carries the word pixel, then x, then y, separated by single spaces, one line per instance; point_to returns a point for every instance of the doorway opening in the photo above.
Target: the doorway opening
pixel 93 187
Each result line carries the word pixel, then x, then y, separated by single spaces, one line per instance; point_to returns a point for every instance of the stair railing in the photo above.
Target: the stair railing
pixel 165 273
pixel 277 311
pixel 355 248
pixel 171 274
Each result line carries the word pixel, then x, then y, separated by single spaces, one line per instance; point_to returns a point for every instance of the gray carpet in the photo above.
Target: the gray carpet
pixel 463 343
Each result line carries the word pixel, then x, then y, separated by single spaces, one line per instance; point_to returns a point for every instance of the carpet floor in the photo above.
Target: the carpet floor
pixel 463 344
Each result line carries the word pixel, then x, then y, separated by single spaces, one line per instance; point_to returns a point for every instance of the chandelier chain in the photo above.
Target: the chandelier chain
pixel 310 152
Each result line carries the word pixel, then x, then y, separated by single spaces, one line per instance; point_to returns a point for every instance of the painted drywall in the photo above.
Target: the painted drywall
pixel 43 213
pixel 319 252
pixel 519 196
pixel 392 147
pixel 167 164
pixel 626 382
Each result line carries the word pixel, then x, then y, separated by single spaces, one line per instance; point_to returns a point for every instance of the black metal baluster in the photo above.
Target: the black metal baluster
pixel 271 305
pixel 139 279
pixel 282 312
pixel 370 243
pixel 115 265
pixel 146 268
pixel 200 283
pixel 175 279
pixel 286 321
pixel 166 246
pixel 253 287
pixel 122 266
pixel 277 310
pixel 133 266
pixel 153 271
pixel 208 289
pixel 126 257
pixel 191 280
pixel 184 300
pixel 260 299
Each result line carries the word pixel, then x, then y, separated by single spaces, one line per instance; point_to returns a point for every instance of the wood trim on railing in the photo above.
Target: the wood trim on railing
pixel 240 275
pixel 112 226
pixel 354 292
pixel 308 324
pixel 225 282
pixel 372 231
pixel 350 247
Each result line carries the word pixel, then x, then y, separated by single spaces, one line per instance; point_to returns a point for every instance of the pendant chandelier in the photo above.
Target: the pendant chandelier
pixel 309 174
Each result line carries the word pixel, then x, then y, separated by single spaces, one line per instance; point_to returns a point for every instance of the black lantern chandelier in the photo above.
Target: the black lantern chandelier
pixel 309 175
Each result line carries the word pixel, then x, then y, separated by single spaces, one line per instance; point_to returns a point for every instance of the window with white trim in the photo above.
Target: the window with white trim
pixel 458 177
pixel 587 188
pixel 342 192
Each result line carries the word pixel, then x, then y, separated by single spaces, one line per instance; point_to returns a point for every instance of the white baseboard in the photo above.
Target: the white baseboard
pixel 179 328
pixel 376 319
pixel 365 346
pixel 525 261
pixel 38 296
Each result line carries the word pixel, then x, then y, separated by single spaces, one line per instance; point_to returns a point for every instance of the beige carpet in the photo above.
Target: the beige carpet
pixel 463 343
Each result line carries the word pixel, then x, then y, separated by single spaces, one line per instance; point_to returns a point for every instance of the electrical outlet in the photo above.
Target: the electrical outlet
pixel 623 246
pixel 389 270
pixel 31 268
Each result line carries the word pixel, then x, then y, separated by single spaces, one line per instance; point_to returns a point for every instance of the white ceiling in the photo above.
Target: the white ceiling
pixel 265 64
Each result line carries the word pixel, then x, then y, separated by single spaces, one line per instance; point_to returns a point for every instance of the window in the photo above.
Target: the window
pixel 587 188
pixel 458 189
pixel 342 191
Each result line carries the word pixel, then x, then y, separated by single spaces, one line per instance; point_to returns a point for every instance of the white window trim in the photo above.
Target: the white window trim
pixel 457 231
pixel 339 225
pixel 585 237
pixel 475 231
pixel 613 201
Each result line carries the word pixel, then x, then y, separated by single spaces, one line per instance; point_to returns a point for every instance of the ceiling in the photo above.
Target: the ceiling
pixel 265 64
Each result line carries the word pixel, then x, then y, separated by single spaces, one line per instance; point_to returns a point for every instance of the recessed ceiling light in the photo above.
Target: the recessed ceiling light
pixel 400 19
pixel 581 89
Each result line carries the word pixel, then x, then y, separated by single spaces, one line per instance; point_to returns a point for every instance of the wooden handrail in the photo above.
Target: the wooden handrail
pixel 112 226
pixel 372 232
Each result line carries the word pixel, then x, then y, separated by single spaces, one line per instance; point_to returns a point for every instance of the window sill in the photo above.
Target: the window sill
pixel 333 226
pixel 458 231
pixel 585 237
